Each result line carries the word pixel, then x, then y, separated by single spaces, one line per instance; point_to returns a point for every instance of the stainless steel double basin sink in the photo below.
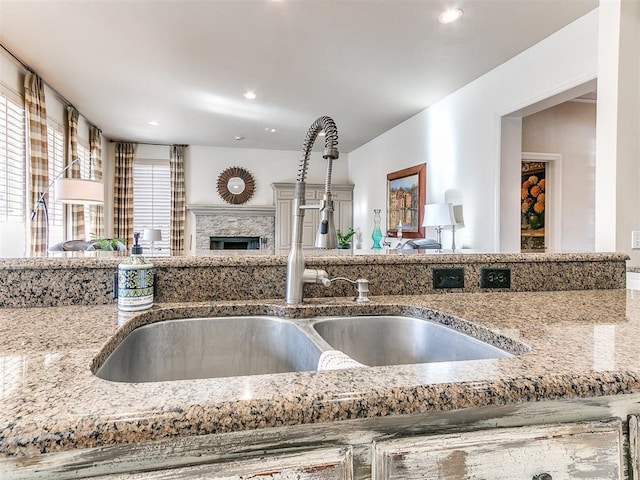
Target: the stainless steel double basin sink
pixel 236 346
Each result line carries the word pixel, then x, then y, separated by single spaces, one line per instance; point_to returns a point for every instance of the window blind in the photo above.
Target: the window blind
pixel 152 201
pixel 83 161
pixel 12 162
pixel 55 138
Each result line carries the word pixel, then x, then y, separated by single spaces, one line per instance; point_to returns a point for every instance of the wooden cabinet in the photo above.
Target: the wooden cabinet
pixel 350 451
pixel 634 447
pixel 552 452
pixel 283 194
pixel 321 464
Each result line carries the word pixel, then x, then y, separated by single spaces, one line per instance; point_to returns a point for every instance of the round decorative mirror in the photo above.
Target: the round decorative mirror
pixel 235 185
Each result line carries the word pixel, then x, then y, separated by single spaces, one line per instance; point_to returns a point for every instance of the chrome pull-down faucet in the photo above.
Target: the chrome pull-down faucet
pixel 297 274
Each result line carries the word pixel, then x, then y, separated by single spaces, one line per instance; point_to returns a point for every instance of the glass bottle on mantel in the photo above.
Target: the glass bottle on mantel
pixel 376 236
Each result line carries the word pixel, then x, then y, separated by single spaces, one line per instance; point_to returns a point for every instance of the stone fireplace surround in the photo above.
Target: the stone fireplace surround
pixel 232 221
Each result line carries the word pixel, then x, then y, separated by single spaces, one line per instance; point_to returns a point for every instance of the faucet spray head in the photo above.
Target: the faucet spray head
pixel 326 236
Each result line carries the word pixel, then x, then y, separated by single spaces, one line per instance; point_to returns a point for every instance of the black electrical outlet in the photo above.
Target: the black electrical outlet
pixel 448 278
pixel 495 278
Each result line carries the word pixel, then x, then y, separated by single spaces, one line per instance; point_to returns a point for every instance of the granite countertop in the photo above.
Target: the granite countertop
pixel 570 344
pixel 328 257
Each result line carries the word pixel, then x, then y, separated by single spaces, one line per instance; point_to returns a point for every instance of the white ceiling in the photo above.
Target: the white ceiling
pixel 369 64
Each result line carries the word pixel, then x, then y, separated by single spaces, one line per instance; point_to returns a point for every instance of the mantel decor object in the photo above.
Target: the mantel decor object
pixel 376 236
pixel 236 185
pixel 344 239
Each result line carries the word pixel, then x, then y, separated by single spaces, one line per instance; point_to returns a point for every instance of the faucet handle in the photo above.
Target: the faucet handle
pixel 320 277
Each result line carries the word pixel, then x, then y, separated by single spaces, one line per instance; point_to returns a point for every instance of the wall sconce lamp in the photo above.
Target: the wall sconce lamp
pixel 439 215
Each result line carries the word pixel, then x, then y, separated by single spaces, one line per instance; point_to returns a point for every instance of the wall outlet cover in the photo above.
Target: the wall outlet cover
pixel 635 239
pixel 448 278
pixel 495 278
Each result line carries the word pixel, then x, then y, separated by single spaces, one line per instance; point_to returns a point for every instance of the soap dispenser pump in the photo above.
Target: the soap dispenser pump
pixel 135 280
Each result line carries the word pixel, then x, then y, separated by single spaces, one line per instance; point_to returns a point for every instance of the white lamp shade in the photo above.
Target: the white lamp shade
pixel 76 190
pixel 459 217
pixel 152 234
pixel 438 215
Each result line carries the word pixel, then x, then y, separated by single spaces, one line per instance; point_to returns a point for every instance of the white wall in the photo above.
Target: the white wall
pixel 12 78
pixel 459 137
pixel 204 164
pixel 11 75
pixel 627 191
pixel 570 130
pixel 618 120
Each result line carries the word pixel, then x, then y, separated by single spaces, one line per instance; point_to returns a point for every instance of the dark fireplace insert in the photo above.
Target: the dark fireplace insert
pixel 234 243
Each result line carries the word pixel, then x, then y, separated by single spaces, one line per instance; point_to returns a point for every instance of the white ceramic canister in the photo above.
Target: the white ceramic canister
pixel 135 282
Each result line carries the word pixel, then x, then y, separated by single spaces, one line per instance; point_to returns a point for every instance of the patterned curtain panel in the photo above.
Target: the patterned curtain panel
pixel 123 193
pixel 96 216
pixel 77 211
pixel 178 211
pixel 36 122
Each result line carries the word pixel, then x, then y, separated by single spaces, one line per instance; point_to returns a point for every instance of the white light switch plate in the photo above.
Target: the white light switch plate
pixel 635 239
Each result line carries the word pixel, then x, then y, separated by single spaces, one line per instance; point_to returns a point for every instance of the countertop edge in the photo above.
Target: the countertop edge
pixel 52 263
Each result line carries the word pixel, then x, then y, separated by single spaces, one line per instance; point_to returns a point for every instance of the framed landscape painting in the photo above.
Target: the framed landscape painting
pixel 406 195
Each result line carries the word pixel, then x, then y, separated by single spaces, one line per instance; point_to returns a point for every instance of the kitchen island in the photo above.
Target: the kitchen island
pixel 575 372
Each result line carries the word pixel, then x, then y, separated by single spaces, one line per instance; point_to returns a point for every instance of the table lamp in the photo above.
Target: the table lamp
pixel 439 215
pixel 152 235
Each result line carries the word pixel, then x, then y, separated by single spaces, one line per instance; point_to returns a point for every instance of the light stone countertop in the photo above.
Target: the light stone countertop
pixel 571 344
pixel 327 257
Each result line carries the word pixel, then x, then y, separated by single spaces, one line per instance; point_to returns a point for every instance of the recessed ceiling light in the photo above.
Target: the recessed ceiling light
pixel 154 123
pixel 239 137
pixel 450 15
pixel 270 130
pixel 250 95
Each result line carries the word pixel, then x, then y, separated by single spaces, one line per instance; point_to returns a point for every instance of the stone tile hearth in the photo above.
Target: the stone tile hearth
pixel 233 221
